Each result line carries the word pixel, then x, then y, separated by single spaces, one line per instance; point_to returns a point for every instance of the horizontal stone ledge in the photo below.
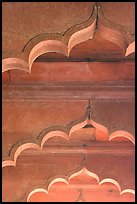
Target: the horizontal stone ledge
pixel 116 147
pixel 72 72
pixel 72 91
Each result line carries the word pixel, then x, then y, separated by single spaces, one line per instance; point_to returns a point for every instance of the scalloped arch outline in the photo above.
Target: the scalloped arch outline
pixel 66 180
pixel 76 37
pixel 47 46
pixel 101 134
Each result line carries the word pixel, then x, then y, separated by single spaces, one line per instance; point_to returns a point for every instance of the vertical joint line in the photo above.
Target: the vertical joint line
pixel 89 110
pixel 97 7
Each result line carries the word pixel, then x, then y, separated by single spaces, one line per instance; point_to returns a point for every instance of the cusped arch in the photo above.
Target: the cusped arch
pixel 64 43
pixel 101 134
pixel 115 32
pixel 59 43
pixel 69 177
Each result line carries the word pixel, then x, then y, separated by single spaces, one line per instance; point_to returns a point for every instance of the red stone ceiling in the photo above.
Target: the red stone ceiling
pixel 68 101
